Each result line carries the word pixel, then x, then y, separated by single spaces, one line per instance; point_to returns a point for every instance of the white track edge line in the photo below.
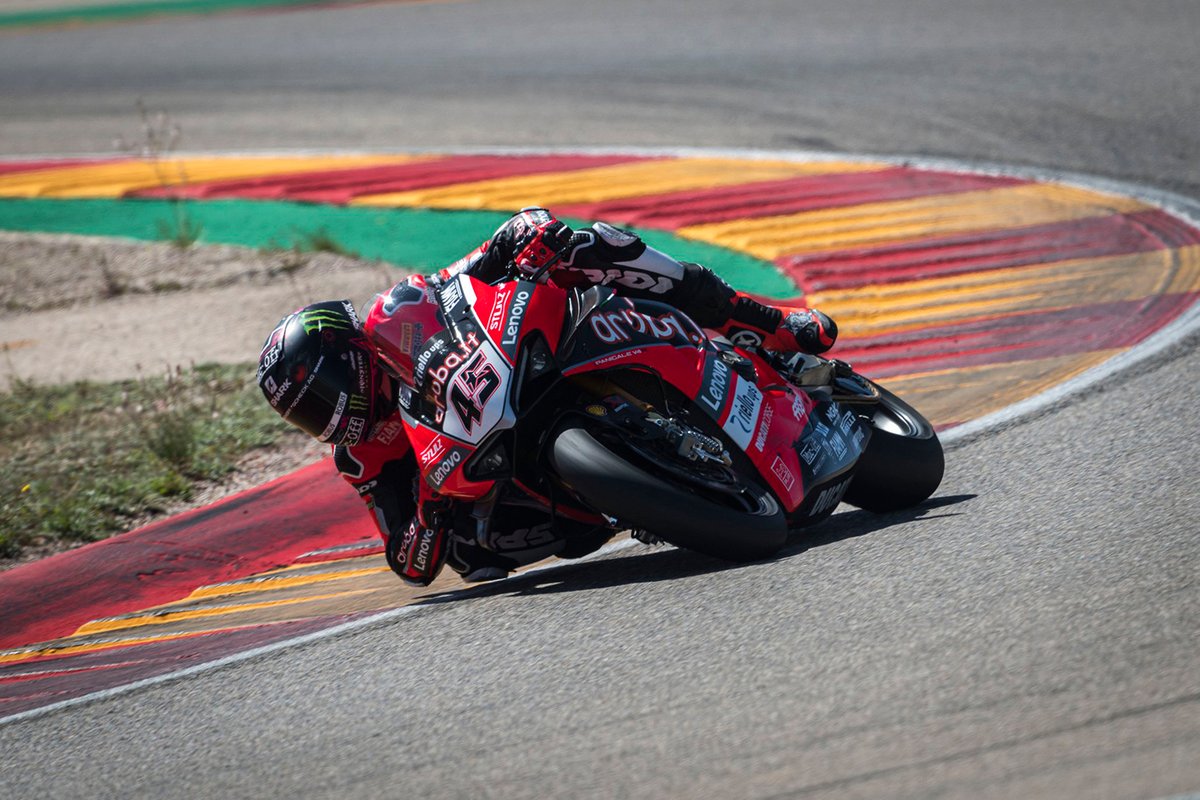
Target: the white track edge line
pixel 324 633
pixel 1161 340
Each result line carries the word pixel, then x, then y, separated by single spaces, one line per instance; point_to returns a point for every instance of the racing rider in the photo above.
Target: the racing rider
pixel 327 373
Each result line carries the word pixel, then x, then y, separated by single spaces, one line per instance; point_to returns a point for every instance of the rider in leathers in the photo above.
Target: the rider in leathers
pixel 415 523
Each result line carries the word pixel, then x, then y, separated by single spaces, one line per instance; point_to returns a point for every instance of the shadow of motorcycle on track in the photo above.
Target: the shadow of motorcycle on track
pixel 668 563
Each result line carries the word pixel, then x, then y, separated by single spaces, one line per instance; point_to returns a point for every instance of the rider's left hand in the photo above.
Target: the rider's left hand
pixel 532 239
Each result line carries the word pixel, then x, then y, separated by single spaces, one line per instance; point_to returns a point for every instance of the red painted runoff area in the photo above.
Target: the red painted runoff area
pixel 40 681
pixel 253 531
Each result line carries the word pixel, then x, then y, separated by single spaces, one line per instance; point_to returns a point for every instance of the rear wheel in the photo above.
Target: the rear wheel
pixel 903 463
pixel 735 523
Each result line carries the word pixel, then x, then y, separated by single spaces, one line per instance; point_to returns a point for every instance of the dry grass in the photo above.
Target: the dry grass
pixel 86 460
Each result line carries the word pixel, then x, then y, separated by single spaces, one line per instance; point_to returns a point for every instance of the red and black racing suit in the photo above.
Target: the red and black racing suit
pixel 413 521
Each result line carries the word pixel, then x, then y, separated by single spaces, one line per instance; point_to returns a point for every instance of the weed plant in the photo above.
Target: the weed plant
pixel 160 137
pixel 321 241
pixel 294 257
pixel 86 460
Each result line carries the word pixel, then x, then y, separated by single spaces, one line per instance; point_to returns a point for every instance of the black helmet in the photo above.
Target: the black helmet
pixel 317 371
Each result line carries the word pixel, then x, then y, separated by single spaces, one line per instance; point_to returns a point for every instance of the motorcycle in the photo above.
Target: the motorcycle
pixel 608 413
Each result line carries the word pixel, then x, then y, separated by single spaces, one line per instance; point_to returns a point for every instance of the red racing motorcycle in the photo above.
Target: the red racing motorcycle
pixel 612 414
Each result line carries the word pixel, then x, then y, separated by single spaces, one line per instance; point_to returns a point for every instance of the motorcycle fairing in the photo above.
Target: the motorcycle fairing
pixel 604 331
pixel 734 401
pixel 783 414
pixel 467 370
pixel 828 450
pixel 467 375
pixel 764 421
pixel 600 323
pixel 802 446
pixel 440 459
pixel 508 311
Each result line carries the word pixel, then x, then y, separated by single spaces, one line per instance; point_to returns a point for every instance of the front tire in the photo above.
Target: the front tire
pixel 665 508
pixel 903 463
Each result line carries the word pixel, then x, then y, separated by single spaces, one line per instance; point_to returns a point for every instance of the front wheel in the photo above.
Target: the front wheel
pixel 748 527
pixel 903 463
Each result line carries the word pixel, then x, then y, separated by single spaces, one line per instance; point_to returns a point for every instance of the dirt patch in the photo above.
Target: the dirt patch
pixel 102 309
pixel 79 308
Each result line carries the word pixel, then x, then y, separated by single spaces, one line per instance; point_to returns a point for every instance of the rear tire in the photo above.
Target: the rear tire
pixel 663 507
pixel 903 463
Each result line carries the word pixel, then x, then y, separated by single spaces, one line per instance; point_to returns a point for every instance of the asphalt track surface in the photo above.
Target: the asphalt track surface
pixel 1033 633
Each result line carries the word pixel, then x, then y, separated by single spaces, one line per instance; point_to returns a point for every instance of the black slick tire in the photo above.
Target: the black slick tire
pixel 613 485
pixel 903 463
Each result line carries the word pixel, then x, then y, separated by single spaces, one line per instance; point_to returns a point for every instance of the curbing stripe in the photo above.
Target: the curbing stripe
pixel 340 186
pixel 316 636
pixel 878 224
pixel 1156 344
pixel 944 256
pixel 823 190
pixel 1053 286
pixel 117 179
pixel 109 624
pixel 578 186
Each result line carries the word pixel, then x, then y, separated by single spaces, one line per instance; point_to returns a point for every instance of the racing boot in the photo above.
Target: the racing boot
pixel 812 331
pixel 779 328
pixel 475 564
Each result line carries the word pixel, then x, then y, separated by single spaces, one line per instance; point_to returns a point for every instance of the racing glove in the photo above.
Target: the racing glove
pixel 530 240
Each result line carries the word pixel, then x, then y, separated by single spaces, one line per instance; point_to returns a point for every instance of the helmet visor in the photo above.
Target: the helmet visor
pixel 337 399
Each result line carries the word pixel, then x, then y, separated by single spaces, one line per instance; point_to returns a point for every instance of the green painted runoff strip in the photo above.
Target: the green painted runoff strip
pixel 417 239
pixel 116 12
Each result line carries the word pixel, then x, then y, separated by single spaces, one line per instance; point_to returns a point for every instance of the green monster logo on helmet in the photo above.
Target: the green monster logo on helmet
pixel 316 320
